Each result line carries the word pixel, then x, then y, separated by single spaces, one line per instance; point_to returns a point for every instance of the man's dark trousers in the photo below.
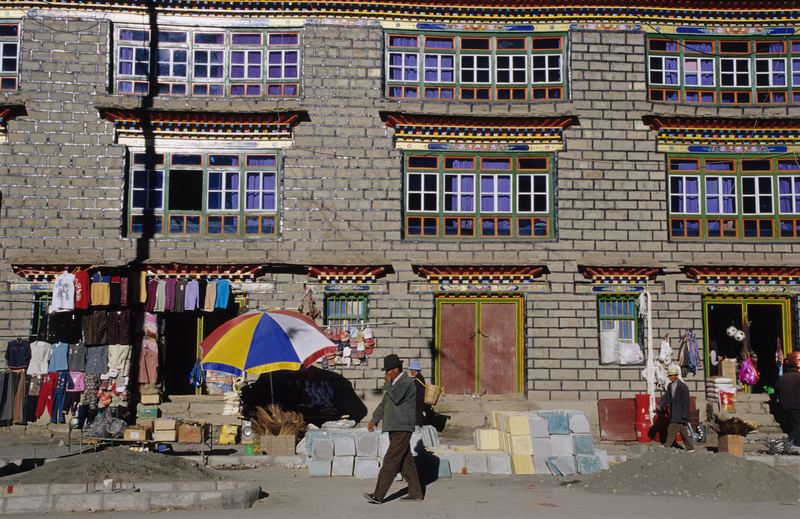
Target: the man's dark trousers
pixel 398 459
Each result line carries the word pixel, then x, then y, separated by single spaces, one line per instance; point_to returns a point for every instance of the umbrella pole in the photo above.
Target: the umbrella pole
pixel 271 390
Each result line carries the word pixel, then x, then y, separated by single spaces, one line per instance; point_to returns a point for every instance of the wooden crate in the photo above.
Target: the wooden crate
pixel 733 444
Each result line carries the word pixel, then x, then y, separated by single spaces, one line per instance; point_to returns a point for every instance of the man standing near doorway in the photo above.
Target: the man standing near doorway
pixel 398 412
pixel 676 398
pixel 415 372
pixel 789 396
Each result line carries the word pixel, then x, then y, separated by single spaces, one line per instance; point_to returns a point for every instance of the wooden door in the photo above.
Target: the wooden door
pixel 456 365
pixel 498 347
pixel 479 345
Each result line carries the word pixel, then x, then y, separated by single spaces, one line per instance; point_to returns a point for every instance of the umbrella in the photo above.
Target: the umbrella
pixel 264 341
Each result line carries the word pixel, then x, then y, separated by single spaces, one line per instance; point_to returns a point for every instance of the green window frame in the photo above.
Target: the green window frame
pixel 205 194
pixel 209 61
pixel 476 66
pixel 619 312
pixel 346 308
pixel 718 70
pixel 733 197
pixel 479 196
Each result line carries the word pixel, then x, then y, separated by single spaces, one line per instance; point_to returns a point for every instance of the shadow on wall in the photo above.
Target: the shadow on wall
pixel 320 395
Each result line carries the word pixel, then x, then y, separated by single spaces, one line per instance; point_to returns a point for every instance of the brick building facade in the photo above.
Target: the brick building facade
pixel 355 148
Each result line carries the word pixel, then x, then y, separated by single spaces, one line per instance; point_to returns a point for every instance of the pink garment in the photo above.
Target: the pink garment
pixel 148 361
pixel 78 382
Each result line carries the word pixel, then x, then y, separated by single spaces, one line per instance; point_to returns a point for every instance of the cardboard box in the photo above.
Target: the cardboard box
pixel 282 445
pixel 148 412
pixel 136 434
pixel 192 433
pixel 165 424
pixel 733 444
pixel 165 436
pixel 150 399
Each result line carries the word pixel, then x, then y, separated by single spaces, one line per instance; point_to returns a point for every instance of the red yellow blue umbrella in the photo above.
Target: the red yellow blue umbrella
pixel 264 341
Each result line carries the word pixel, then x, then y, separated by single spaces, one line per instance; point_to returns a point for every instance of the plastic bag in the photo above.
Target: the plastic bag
pixel 106 426
pixel 630 353
pixel 748 373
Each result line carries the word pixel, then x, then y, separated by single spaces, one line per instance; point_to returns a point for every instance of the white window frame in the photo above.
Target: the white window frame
pixel 663 70
pixel 403 67
pixel 208 64
pixel 758 194
pixel 283 65
pixel 533 193
pixel 475 69
pixel 3 57
pixel 459 194
pixel 439 68
pixel 224 190
pixel 793 194
pixel 246 65
pixel 147 189
pixel 684 195
pixel 720 196
pixel 770 73
pixel 422 192
pixel 260 191
pixel 172 63
pixel 548 70
pixel 698 63
pixel 735 73
pixel 795 62
pixel 511 69
pixel 496 193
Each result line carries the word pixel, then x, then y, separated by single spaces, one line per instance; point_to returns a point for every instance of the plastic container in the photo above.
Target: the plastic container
pixel 609 350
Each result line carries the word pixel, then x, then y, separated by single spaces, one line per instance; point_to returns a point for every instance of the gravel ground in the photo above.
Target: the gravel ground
pixel 700 474
pixel 120 464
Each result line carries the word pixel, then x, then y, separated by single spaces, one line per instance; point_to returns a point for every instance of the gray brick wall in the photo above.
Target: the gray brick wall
pixel 61 177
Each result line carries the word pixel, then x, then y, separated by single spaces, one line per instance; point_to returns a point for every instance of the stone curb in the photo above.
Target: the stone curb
pixel 94 497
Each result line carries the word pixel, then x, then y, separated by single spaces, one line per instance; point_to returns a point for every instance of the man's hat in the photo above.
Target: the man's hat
pixel 391 361
pixel 414 364
pixel 673 370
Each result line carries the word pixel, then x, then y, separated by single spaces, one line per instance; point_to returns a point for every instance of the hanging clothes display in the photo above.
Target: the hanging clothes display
pixel 152 294
pixel 59 357
pixel 100 293
pixel 170 287
pixel 82 290
pixel 119 326
pixel 180 296
pixel 76 358
pixel 148 353
pixel 192 295
pixel 223 293
pixel 95 328
pixel 161 296
pixel 18 354
pixel 63 299
pixel 211 296
pixel 40 358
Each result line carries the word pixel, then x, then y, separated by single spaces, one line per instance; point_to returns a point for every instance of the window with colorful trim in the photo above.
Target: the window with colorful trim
pixel 9 57
pixel 479 195
pixel 346 308
pixel 217 194
pixel 209 62
pixel 746 197
pixel 476 66
pixel 621 313
pixel 723 70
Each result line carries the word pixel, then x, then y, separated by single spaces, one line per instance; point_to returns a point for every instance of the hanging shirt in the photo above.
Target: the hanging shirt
pixel 63 293
pixel 192 296
pixel 123 290
pixel 223 293
pixel 82 288
pixel 170 287
pixel 180 296
pixel 119 327
pixel 59 357
pixel 152 291
pixel 95 328
pixel 115 291
pixel 40 358
pixel 211 297
pixel 101 294
pixel 18 354
pixel 97 360
pixel 78 383
pixel 161 296
pixel 76 358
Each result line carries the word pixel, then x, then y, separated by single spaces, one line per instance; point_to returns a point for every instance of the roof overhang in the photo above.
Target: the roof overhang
pixel 348 273
pixel 470 133
pixel 620 274
pixel 266 130
pixel 480 274
pixel 725 135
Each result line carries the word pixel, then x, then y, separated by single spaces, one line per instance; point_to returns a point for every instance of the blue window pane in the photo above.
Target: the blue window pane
pixel 525 227
pixel 215 200
pixel 214 225
pixel 488 227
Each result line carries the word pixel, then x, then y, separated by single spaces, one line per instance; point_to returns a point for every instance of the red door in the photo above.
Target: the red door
pixel 457 347
pixel 479 345
pixel 498 348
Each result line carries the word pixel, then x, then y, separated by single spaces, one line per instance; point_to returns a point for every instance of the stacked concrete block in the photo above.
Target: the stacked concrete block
pixel 499 463
pixel 349 452
pixel 487 439
pixel 587 463
pixel 476 463
pixel 582 444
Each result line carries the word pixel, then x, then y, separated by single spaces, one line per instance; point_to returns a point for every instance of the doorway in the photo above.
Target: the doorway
pixel 183 333
pixel 478 343
pixel 766 323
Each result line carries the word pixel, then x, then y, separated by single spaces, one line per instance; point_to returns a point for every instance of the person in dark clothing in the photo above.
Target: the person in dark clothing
pixel 414 370
pixel 397 410
pixel 789 395
pixel 676 399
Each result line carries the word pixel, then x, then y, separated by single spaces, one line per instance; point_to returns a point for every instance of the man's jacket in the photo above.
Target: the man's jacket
pixel 398 407
pixel 679 404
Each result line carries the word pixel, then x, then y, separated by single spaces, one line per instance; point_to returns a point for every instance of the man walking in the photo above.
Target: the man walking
pixel 676 398
pixel 398 412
